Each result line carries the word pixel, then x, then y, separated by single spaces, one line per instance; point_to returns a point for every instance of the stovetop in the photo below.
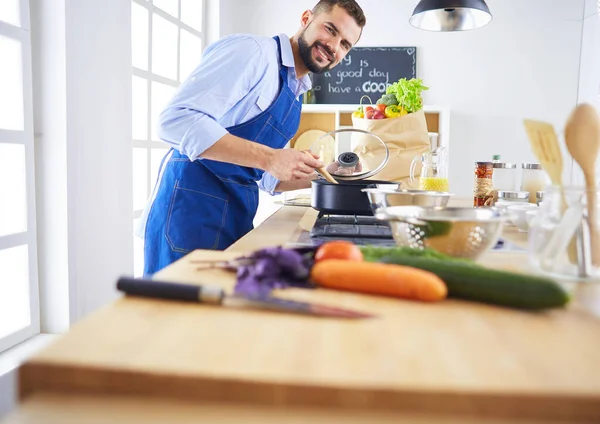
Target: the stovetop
pixel 350 226
pixel 359 229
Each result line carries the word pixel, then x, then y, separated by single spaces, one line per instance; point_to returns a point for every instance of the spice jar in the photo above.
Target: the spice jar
pixel 483 191
pixel 533 179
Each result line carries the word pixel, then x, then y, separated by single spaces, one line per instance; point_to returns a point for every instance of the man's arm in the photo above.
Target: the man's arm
pixel 283 164
pixel 272 185
pixel 189 122
pixel 292 185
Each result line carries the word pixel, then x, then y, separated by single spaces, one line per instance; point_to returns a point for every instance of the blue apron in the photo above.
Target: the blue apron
pixel 206 204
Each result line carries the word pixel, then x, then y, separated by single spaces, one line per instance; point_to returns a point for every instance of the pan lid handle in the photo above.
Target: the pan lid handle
pixel 348 159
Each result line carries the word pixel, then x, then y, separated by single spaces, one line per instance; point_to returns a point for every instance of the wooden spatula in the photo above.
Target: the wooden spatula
pixel 324 173
pixel 544 144
pixel 582 136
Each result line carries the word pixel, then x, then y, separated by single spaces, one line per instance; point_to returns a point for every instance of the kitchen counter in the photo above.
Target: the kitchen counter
pixel 439 361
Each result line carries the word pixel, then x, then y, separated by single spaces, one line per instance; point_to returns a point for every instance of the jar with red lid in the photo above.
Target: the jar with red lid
pixel 483 191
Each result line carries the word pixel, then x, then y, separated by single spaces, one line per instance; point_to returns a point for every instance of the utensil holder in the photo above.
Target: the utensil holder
pixel 553 229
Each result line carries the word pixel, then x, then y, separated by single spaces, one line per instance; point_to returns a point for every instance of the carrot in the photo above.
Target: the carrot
pixel 378 278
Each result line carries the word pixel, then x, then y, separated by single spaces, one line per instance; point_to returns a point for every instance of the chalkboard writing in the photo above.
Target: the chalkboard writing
pixel 365 70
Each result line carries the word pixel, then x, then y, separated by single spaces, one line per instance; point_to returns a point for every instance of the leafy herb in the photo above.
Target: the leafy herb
pixel 408 93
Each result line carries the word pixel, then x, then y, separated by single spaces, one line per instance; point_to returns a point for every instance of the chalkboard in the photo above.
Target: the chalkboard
pixel 365 70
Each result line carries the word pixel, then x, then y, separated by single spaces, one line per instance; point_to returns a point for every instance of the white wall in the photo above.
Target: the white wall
pixel 525 63
pixel 98 46
pixel 82 77
pixel 589 76
pixel 98 36
pixel 50 125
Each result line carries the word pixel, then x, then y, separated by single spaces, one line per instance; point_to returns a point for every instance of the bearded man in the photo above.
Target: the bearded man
pixel 227 125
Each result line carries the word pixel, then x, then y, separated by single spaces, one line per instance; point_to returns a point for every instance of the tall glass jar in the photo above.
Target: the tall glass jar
pixel 505 176
pixel 533 179
pixel 560 239
pixel 483 190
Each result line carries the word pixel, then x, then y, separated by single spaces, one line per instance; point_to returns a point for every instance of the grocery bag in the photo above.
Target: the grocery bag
pixel 406 137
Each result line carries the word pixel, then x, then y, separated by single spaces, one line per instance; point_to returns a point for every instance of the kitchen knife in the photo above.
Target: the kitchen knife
pixel 216 295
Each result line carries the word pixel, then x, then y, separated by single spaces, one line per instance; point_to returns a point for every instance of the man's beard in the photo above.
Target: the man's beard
pixel 306 55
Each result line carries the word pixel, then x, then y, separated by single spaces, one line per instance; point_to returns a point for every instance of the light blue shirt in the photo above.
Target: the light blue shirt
pixel 237 79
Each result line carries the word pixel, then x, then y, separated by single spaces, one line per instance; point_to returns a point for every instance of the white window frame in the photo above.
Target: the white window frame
pixel 150 77
pixel 24 138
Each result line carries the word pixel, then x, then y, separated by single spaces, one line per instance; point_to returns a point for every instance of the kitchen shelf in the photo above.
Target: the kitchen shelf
pixel 333 117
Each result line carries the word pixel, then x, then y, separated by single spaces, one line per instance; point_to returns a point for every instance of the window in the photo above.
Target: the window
pixel 167 42
pixel 19 310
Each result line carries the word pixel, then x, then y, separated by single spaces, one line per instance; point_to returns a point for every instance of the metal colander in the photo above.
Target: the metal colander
pixel 457 232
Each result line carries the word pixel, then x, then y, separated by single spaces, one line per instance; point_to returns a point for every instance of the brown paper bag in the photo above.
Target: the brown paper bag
pixel 406 137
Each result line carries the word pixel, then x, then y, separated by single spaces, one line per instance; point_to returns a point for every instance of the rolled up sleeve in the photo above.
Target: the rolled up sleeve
pixel 190 131
pixel 268 183
pixel 227 72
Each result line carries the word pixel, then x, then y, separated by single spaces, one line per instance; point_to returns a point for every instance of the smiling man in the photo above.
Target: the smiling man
pixel 227 124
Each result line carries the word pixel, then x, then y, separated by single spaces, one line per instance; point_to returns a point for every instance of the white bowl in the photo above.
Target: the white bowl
pixel 504 204
pixel 518 215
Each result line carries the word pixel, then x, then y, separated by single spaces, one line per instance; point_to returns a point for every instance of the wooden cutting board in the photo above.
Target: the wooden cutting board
pixel 452 357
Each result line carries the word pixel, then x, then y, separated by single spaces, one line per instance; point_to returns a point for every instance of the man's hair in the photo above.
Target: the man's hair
pixel 350 6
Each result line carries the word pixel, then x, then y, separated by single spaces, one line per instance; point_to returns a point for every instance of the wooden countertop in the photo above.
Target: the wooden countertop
pixel 56 408
pixel 449 358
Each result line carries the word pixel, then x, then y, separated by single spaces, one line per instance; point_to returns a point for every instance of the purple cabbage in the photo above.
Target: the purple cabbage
pixel 274 268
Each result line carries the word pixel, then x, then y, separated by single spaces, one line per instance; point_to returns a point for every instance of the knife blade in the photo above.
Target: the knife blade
pixel 217 296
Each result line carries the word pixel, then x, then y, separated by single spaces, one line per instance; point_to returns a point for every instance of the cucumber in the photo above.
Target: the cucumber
pixel 376 253
pixel 477 283
pixel 435 229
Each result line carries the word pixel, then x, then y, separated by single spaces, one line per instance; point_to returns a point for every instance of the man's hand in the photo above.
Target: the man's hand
pixel 292 165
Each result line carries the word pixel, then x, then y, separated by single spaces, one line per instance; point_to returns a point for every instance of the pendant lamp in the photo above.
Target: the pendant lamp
pixel 450 15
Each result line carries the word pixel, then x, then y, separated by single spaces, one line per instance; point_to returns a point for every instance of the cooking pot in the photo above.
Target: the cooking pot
pixel 347 197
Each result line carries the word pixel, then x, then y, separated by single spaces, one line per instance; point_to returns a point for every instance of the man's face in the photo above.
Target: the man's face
pixel 326 38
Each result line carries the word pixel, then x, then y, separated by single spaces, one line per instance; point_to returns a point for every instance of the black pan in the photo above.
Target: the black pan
pixel 345 198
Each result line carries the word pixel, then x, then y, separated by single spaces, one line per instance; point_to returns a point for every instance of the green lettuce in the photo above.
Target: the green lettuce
pixel 408 93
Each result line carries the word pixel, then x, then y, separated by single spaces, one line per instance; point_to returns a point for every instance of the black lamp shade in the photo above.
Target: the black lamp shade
pixel 450 15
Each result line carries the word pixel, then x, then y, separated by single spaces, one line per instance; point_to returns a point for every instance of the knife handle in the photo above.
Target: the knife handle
pixel 170 291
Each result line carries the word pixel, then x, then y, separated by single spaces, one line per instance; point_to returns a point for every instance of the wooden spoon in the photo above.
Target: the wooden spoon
pixel 582 136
